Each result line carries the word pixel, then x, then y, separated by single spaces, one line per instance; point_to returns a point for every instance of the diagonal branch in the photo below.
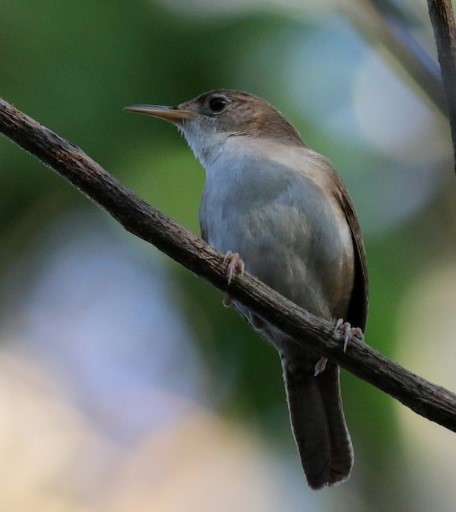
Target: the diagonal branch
pixel 428 400
pixel 442 18
pixel 378 22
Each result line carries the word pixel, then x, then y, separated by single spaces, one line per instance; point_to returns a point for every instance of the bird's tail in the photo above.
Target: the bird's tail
pixel 318 423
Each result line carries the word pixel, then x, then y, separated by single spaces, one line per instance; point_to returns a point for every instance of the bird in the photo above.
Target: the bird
pixel 279 211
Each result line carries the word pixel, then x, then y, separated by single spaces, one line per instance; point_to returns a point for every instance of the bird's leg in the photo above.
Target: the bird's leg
pixel 348 331
pixel 235 263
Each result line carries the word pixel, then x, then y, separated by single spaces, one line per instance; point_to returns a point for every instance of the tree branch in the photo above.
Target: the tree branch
pixel 442 18
pixel 376 21
pixel 428 400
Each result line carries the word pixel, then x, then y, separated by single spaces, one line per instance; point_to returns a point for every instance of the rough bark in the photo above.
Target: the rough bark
pixel 431 401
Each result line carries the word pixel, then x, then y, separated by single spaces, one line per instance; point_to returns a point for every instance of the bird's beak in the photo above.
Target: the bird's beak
pixel 172 114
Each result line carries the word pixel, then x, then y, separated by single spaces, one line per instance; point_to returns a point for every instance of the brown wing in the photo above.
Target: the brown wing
pixel 357 312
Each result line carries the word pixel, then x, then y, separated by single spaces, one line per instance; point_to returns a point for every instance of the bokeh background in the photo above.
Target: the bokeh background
pixel 124 383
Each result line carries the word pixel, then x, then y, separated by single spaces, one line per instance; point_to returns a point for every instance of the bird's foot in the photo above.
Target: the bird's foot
pixel 320 366
pixel 348 331
pixel 235 264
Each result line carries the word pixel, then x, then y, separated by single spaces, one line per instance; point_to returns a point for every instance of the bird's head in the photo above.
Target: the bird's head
pixel 212 118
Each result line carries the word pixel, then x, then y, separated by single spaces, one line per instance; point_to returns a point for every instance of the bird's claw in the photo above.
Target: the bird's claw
pixel 348 331
pixel 320 366
pixel 235 263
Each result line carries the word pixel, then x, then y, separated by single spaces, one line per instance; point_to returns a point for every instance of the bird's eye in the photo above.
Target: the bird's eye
pixel 217 103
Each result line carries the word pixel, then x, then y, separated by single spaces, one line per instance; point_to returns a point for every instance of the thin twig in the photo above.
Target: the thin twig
pixel 442 18
pixel 426 399
pixel 377 23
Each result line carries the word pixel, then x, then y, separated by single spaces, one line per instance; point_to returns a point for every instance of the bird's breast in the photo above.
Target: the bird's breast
pixel 285 228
